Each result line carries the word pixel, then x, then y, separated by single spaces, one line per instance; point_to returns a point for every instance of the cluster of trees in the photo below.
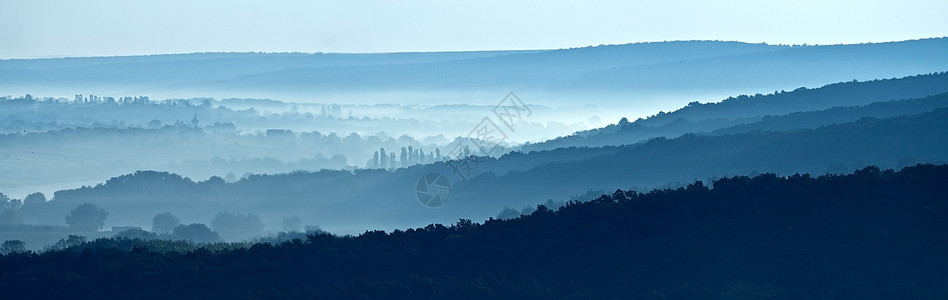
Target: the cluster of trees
pixel 80 99
pixel 84 217
pixel 168 226
pixel 12 246
pixel 873 234
pixel 169 234
pixel 88 217
pixel 409 156
pixel 231 226
pixel 194 232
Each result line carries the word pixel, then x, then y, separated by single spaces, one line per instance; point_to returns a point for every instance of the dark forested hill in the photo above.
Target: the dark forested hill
pixel 869 235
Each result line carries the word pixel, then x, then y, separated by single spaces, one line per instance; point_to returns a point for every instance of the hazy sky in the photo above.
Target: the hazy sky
pixel 42 28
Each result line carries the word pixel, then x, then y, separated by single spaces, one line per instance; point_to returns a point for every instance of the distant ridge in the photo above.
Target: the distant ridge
pixel 706 117
pixel 639 68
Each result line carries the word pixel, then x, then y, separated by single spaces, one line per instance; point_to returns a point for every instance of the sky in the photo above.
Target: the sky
pixel 44 28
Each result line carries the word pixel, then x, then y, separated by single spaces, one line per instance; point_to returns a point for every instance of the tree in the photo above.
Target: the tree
pixel 34 199
pixel 12 246
pixel 9 211
pixel 5 201
pixel 196 232
pixel 375 161
pixel 70 241
pixel 383 159
pixel 404 157
pixel 164 222
pixel 87 217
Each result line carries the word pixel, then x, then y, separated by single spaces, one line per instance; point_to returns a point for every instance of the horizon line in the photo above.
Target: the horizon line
pixel 68 56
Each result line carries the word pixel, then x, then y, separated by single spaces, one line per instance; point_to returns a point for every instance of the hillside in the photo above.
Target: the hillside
pixel 762 237
pixel 841 114
pixel 741 110
pixel 641 68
